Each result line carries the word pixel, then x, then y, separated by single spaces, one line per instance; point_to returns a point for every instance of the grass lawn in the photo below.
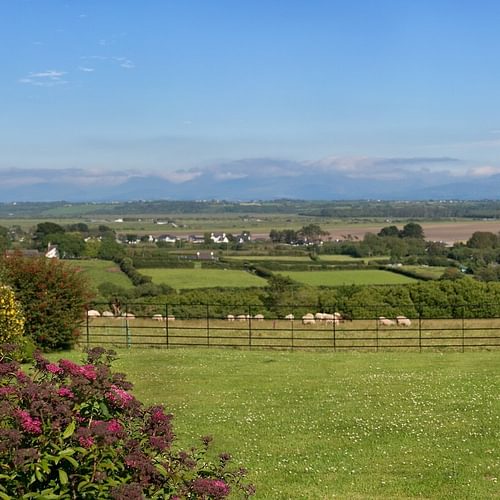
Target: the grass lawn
pixel 325 425
pixel 434 272
pixel 350 277
pixel 101 271
pixel 203 278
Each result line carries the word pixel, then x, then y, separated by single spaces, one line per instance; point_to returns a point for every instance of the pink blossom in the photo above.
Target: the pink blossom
pixel 88 371
pixel 86 441
pixel 119 397
pixel 65 392
pixel 4 391
pixel 53 368
pixel 28 423
pixel 114 426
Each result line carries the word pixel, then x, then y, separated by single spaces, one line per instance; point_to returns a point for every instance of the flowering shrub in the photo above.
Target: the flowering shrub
pixel 75 431
pixel 11 317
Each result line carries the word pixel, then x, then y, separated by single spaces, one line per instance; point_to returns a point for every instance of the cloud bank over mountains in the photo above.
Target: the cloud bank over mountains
pixel 330 178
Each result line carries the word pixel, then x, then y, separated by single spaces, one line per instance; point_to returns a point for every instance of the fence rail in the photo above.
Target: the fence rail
pixel 201 329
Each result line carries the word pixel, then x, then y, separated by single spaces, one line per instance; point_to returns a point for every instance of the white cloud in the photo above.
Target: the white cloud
pixel 86 69
pixel 180 176
pixel 483 171
pixel 48 78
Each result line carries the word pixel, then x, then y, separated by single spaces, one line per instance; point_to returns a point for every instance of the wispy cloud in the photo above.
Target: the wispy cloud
pixel 123 62
pixel 48 78
pixel 86 69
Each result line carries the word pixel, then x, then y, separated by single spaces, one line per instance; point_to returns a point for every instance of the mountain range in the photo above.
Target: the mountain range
pixel 331 178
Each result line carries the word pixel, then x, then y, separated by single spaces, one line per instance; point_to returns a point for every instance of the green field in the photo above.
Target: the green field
pixel 426 271
pixel 350 277
pixel 101 271
pixel 203 278
pixel 350 425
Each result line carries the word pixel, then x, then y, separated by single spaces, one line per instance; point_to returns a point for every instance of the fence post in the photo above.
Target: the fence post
pixel 463 328
pixel 420 331
pixel 249 327
pixel 87 327
pixel 334 333
pixel 376 329
pixel 166 324
pixel 208 325
pixel 292 332
pixel 127 332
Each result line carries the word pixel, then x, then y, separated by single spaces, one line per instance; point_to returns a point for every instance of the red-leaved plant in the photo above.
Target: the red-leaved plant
pixel 75 431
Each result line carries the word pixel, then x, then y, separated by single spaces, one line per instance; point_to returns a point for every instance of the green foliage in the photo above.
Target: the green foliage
pixel 110 249
pixel 53 297
pixel 483 240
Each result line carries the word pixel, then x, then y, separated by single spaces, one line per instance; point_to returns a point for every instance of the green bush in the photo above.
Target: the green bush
pixel 53 296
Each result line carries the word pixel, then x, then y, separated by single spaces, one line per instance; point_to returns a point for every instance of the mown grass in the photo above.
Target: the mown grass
pixel 348 277
pixel 101 271
pixel 203 278
pixel 325 425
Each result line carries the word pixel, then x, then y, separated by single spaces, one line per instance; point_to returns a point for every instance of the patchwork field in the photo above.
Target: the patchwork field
pixel 203 278
pixel 348 277
pixel 101 271
pixel 329 425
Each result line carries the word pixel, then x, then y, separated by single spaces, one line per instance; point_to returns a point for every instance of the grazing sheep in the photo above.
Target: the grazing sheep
pixel 128 315
pixel 170 318
pixel 328 317
pixel 308 319
pixel 385 321
pixel 92 313
pixel 259 317
pixel 290 317
pixel 107 314
pixel 157 317
pixel 241 317
pixel 319 316
pixel 230 317
pixel 403 321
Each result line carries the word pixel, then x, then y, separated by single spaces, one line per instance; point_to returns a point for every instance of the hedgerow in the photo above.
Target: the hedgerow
pixel 75 431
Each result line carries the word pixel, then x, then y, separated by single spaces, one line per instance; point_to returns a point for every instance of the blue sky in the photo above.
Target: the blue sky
pixel 163 85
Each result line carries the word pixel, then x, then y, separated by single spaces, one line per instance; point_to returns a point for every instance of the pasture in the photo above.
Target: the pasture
pixel 101 271
pixel 348 277
pixel 203 278
pixel 346 425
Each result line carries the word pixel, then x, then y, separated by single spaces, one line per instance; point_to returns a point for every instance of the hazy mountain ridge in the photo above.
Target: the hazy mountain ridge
pixel 260 178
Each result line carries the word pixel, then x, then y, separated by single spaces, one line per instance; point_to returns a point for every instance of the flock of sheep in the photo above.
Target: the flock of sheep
pixel 307 319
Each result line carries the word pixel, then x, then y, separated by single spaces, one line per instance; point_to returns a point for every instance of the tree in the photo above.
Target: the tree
pixel 110 249
pixel 312 232
pixel 53 296
pixel 412 230
pixel 482 240
pixel 389 231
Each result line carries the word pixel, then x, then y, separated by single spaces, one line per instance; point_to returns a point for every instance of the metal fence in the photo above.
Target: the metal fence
pixel 199 327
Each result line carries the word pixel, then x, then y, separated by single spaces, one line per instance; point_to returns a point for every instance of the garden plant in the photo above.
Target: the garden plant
pixel 70 430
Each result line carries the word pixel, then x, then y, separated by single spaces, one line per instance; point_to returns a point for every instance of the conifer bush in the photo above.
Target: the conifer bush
pixel 71 430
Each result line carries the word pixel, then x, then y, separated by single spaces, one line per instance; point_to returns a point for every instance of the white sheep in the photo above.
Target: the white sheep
pixel 107 314
pixel 259 317
pixel 170 318
pixel 157 317
pixel 230 317
pixel 403 321
pixel 308 319
pixel 128 315
pixel 92 313
pixel 386 322
pixel 290 317
pixel 241 317
pixel 319 316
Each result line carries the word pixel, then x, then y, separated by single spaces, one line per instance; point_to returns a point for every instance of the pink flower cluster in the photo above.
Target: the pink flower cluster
pixel 28 423
pixel 87 371
pixel 210 488
pixel 119 397
pixel 65 392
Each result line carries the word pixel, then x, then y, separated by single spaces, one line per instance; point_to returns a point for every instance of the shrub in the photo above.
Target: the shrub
pixel 11 317
pixel 53 296
pixel 75 431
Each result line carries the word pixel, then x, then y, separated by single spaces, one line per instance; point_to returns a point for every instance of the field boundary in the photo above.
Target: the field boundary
pixel 199 327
